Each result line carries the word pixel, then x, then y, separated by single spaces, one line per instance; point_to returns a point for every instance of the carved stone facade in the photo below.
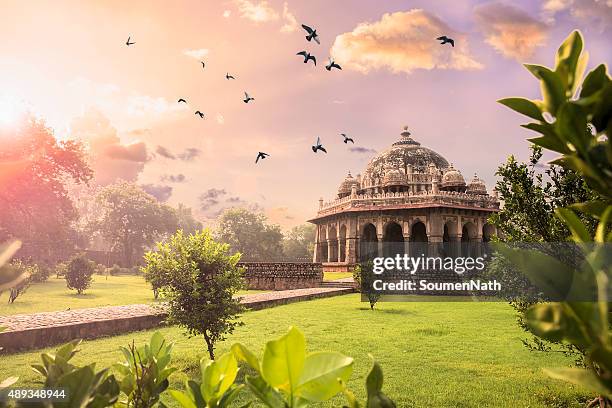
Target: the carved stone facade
pixel 282 275
pixel 408 193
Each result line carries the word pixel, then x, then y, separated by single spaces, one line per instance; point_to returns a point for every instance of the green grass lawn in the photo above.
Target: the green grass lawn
pixel 53 295
pixel 433 354
pixel 329 276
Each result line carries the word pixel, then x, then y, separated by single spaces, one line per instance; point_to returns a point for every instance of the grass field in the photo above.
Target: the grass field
pixel 53 295
pixel 433 354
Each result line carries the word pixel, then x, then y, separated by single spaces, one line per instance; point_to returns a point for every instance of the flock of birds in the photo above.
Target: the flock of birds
pixel 310 36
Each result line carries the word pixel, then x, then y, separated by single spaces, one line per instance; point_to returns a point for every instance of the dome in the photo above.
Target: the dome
pixel 452 178
pixel 347 184
pixel 402 154
pixel 394 177
pixel 477 186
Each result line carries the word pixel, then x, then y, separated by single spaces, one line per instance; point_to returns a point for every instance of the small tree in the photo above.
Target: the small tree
pixel 364 276
pixel 78 273
pixel 199 279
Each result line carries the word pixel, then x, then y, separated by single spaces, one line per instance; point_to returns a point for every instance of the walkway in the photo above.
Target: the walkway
pixel 29 331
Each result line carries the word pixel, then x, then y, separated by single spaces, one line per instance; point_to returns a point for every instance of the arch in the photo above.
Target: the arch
pixel 333 241
pixel 418 232
pixel 393 239
pixel 468 238
pixel 368 242
pixel 342 244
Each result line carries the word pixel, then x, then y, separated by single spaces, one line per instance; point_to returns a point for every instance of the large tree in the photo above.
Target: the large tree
pixel 34 203
pixel 299 242
pixel 249 233
pixel 130 219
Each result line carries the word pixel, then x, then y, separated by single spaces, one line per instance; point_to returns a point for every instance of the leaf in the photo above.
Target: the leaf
pixel 594 81
pixel 600 233
pixel 568 61
pixel 183 399
pixel 579 376
pixel 8 382
pixel 551 322
pixel 552 88
pixel 547 273
pixel 321 375
pixel 283 360
pixel 571 125
pixel 374 383
pixel 266 394
pixel 524 106
pixel 594 207
pixel 243 354
pixel 577 228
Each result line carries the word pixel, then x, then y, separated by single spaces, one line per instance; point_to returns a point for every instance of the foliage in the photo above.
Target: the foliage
pixel 198 278
pixel 288 376
pixel 130 219
pixel 299 242
pixel 376 398
pixel 577 131
pixel 249 233
pixel 145 372
pixel 216 388
pixel 60 269
pixel 84 386
pixel 34 203
pixel 364 277
pixel 22 269
pixel 79 273
pixel 8 279
pixel 530 199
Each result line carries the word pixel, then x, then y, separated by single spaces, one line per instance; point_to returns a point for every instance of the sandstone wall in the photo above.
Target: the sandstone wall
pixel 282 275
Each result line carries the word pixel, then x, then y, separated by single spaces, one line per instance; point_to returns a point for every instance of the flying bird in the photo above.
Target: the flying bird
pixel 228 76
pixel 200 114
pixel 331 65
pixel 182 100
pixel 318 146
pixel 307 56
pixel 203 64
pixel 128 43
pixel 312 34
pixel 261 155
pixel 444 39
pixel 347 139
pixel 247 98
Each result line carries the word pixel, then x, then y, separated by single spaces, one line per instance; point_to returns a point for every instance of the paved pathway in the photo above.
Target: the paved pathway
pixel 35 321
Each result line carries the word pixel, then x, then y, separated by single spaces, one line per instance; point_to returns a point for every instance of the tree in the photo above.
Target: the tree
pixel 34 203
pixel 576 125
pixel 247 232
pixel 364 276
pixel 79 273
pixel 131 219
pixel 530 199
pixel 299 242
pixel 199 279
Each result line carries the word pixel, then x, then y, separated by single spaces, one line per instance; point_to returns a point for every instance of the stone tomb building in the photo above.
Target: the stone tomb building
pixel 407 194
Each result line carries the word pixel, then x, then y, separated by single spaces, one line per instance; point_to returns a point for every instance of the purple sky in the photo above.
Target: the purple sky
pixel 67 62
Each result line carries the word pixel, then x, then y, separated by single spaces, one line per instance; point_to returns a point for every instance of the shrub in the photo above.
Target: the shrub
pixel 114 270
pixel 78 273
pixel 28 271
pixel 60 269
pixel 199 279
pixel 364 276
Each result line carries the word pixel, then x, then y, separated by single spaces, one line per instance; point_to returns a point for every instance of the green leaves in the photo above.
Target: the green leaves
pixel 524 106
pixel 570 62
pixel 552 88
pixel 216 388
pixel 290 377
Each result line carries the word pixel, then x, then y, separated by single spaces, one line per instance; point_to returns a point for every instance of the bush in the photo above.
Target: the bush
pixel 78 273
pixel 60 269
pixel 18 267
pixel 364 276
pixel 198 278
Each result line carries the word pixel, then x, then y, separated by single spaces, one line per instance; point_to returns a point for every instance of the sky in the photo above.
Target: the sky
pixel 67 62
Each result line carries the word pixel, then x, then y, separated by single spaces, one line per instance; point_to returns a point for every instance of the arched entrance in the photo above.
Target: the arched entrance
pixel 393 239
pixel 368 243
pixel 333 244
pixel 418 239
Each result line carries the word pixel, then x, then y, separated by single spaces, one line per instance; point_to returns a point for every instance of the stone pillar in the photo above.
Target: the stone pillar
pixel 329 250
pixel 435 245
pixel 380 251
pixel 351 250
pixel 316 256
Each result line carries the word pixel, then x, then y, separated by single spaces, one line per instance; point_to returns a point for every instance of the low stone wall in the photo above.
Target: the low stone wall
pixel 282 275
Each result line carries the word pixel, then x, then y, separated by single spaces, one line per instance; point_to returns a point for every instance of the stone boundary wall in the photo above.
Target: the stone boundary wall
pixel 282 275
